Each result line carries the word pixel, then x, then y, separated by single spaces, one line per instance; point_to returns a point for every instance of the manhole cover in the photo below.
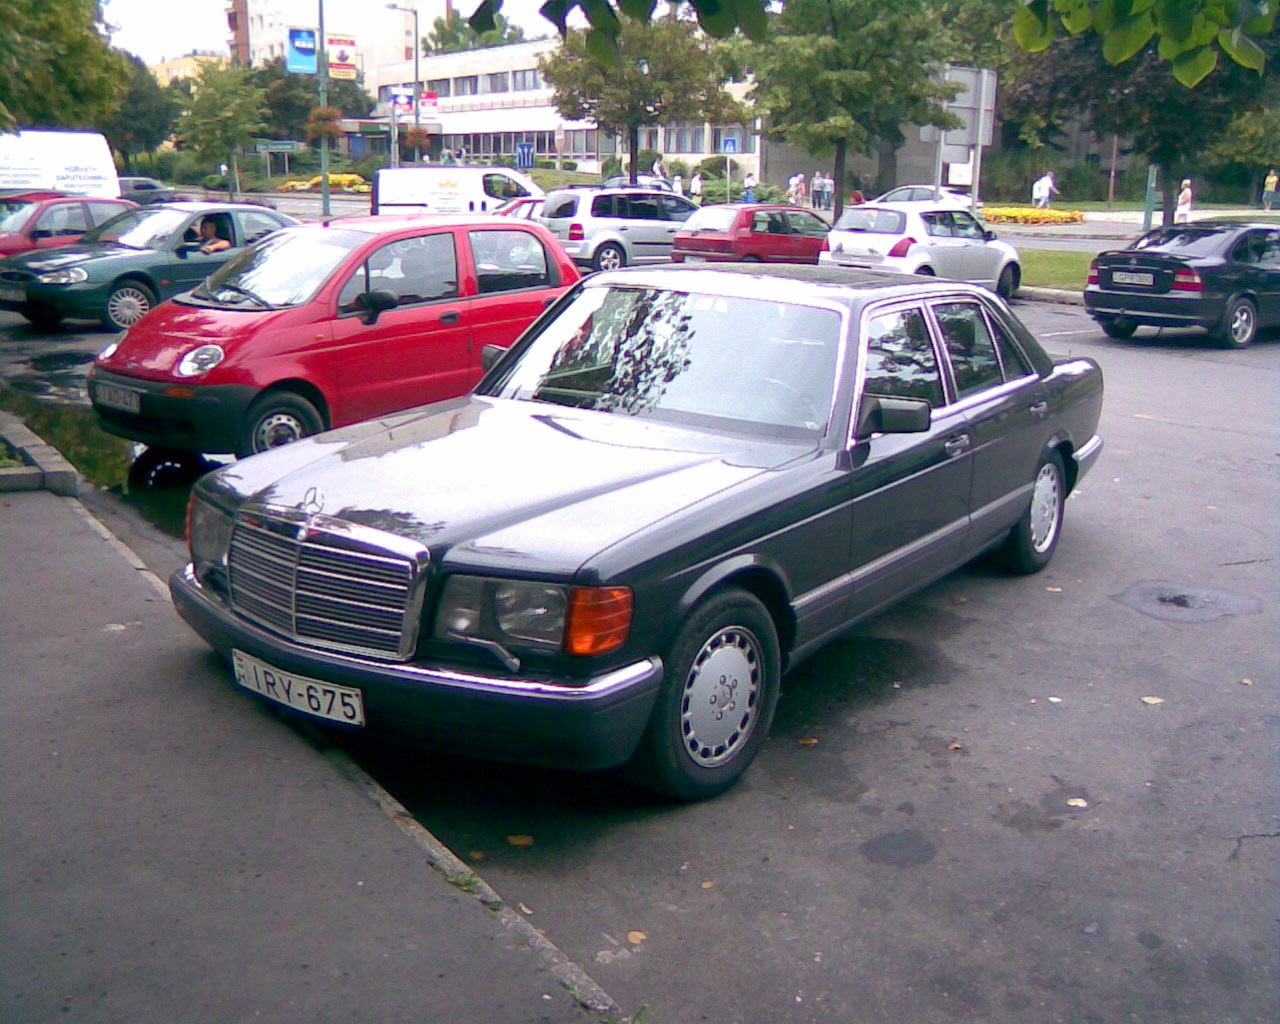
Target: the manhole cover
pixel 1175 603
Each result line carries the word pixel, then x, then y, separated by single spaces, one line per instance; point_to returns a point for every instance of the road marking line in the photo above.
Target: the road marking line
pixel 1063 334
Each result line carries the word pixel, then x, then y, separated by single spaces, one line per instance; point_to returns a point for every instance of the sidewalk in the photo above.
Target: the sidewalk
pixel 171 851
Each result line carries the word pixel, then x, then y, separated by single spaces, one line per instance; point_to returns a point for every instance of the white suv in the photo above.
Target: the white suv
pixel 607 228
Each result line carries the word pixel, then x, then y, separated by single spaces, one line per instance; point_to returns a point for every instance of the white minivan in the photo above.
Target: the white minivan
pixel 447 189
pixel 78 163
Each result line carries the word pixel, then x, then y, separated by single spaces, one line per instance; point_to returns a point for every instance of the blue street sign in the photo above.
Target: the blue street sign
pixel 728 145
pixel 524 155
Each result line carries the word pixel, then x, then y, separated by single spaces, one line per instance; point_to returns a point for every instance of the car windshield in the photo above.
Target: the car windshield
pixel 139 229
pixel 752 366
pixel 1189 240
pixel 14 214
pixel 284 269
pixel 711 218
pixel 880 222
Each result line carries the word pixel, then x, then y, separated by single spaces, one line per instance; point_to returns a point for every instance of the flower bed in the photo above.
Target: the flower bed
pixel 1029 215
pixel 343 182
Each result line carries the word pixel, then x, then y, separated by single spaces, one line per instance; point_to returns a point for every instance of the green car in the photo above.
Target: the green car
pixel 119 270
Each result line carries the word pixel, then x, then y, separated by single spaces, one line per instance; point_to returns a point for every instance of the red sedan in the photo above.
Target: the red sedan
pixel 750 232
pixel 38 220
pixel 322 325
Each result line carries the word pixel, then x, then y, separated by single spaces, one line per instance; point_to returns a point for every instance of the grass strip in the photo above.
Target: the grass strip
pixel 1055 268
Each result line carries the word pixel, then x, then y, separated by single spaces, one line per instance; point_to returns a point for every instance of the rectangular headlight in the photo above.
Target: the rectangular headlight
pixel 504 611
pixel 208 535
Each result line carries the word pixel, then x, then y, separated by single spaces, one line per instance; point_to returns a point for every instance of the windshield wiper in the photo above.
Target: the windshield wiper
pixel 245 292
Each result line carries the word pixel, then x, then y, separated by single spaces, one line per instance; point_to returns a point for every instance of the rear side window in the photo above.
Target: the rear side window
pixel 900 358
pixel 257 225
pixel 970 346
pixel 508 260
pixel 608 206
pixel 565 207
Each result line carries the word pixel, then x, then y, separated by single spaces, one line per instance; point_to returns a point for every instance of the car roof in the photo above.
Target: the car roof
pixel 580 189
pixel 784 281
pixel 196 206
pixel 386 223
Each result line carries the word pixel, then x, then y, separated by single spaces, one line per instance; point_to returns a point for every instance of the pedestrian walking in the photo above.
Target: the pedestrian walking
pixel 828 192
pixel 695 187
pixel 815 190
pixel 1270 189
pixel 1183 211
pixel 748 187
pixel 677 184
pixel 1043 190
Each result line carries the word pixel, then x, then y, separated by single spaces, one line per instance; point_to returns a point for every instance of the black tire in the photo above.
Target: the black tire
pixel 274 419
pixel 926 272
pixel 1010 278
pixel 42 318
pixel 1117 327
pixel 609 257
pixel 1034 538
pixel 751 259
pixel 167 467
pixel 695 746
pixel 1239 324
pixel 127 303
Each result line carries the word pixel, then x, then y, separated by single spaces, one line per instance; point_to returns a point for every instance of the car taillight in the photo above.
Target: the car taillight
pixel 1187 280
pixel 901 246
pixel 1093 272
pixel 576 234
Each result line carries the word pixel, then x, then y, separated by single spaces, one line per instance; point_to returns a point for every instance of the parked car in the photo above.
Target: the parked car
pixel 670 490
pixel 942 199
pixel 750 232
pixel 525 208
pixel 919 238
pixel 121 268
pixel 642 181
pixel 42 220
pixel 321 325
pixel 1221 275
pixel 608 228
pixel 145 191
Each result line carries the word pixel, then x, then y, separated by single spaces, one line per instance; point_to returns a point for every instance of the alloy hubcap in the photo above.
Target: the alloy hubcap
pixel 1242 323
pixel 127 306
pixel 610 260
pixel 1045 502
pixel 721 697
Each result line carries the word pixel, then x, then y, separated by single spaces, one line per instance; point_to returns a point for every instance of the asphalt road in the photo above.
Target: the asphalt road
pixel 1044 799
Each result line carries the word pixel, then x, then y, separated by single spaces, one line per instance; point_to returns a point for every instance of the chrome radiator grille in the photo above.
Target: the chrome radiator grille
pixel 324 585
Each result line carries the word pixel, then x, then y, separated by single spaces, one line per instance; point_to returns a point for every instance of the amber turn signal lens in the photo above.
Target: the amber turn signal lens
pixel 599 618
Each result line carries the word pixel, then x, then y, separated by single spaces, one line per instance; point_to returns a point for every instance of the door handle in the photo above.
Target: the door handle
pixel 957 445
pixel 450 316
pixel 1040 410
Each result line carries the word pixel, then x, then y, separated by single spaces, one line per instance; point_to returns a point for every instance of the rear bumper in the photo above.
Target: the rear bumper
pixel 1187 309
pixel 592 725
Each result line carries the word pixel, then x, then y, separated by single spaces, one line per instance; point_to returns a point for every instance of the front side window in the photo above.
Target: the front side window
pixel 508 260
pixel 643 208
pixel 499 186
pixel 746 365
pixel 937 225
pixel 970 347
pixel 966 226
pixel 900 359
pixel 676 208
pixel 807 224
pixel 142 228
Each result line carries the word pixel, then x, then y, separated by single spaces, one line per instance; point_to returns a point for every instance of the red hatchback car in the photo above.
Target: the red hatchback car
pixel 38 220
pixel 750 232
pixel 321 325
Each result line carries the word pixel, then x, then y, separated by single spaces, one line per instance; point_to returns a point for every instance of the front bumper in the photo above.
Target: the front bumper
pixel 87 299
pixel 1186 309
pixel 530 720
pixel 188 417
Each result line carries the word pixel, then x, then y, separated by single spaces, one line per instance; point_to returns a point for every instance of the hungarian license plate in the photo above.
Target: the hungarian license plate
pixel 695 259
pixel 1129 277
pixel 12 293
pixel 310 696
pixel 118 398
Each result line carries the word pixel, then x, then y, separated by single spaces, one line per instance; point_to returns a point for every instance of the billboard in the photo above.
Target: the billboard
pixel 300 51
pixel 341 51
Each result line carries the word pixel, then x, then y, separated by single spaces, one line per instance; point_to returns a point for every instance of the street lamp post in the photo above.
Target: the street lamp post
pixel 417 101
pixel 322 82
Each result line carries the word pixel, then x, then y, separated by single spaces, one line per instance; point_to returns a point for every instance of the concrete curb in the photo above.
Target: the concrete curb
pixel 1061 295
pixel 45 468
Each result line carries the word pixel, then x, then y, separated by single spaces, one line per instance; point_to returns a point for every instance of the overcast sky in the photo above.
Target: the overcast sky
pixel 159 30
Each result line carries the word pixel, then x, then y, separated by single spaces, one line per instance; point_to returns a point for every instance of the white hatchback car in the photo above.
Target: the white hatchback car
pixel 920 238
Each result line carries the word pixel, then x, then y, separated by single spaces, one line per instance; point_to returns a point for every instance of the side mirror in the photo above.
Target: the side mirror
pixel 990 235
pixel 186 248
pixel 489 355
pixel 880 414
pixel 376 302
pixel 40 233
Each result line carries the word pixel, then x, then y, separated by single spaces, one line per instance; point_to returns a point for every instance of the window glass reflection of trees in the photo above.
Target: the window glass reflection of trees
pixel 900 358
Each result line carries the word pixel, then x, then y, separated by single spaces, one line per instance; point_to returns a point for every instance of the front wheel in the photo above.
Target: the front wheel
pixel 1033 539
pixel 1239 324
pixel 717 701
pixel 277 418
pixel 609 257
pixel 128 303
pixel 926 272
pixel 1008 283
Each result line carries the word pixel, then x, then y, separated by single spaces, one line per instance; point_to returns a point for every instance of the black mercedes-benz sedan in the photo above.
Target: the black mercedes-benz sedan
pixel 676 484
pixel 1221 275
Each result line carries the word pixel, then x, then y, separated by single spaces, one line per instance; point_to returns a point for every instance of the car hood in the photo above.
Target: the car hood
pixel 152 347
pixel 38 261
pixel 504 485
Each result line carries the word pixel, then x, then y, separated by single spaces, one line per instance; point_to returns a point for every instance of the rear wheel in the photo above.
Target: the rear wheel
pixel 128 302
pixel 43 318
pixel 716 702
pixel 1117 327
pixel 1009 280
pixel 1239 324
pixel 1033 539
pixel 277 418
pixel 751 259
pixel 609 257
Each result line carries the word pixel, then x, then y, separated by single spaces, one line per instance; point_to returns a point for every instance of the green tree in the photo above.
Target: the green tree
pixel 56 66
pixel 291 97
pixel 1188 34
pixel 226 111
pixel 667 72
pixel 1252 138
pixel 841 75
pixel 145 116
pixel 452 33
